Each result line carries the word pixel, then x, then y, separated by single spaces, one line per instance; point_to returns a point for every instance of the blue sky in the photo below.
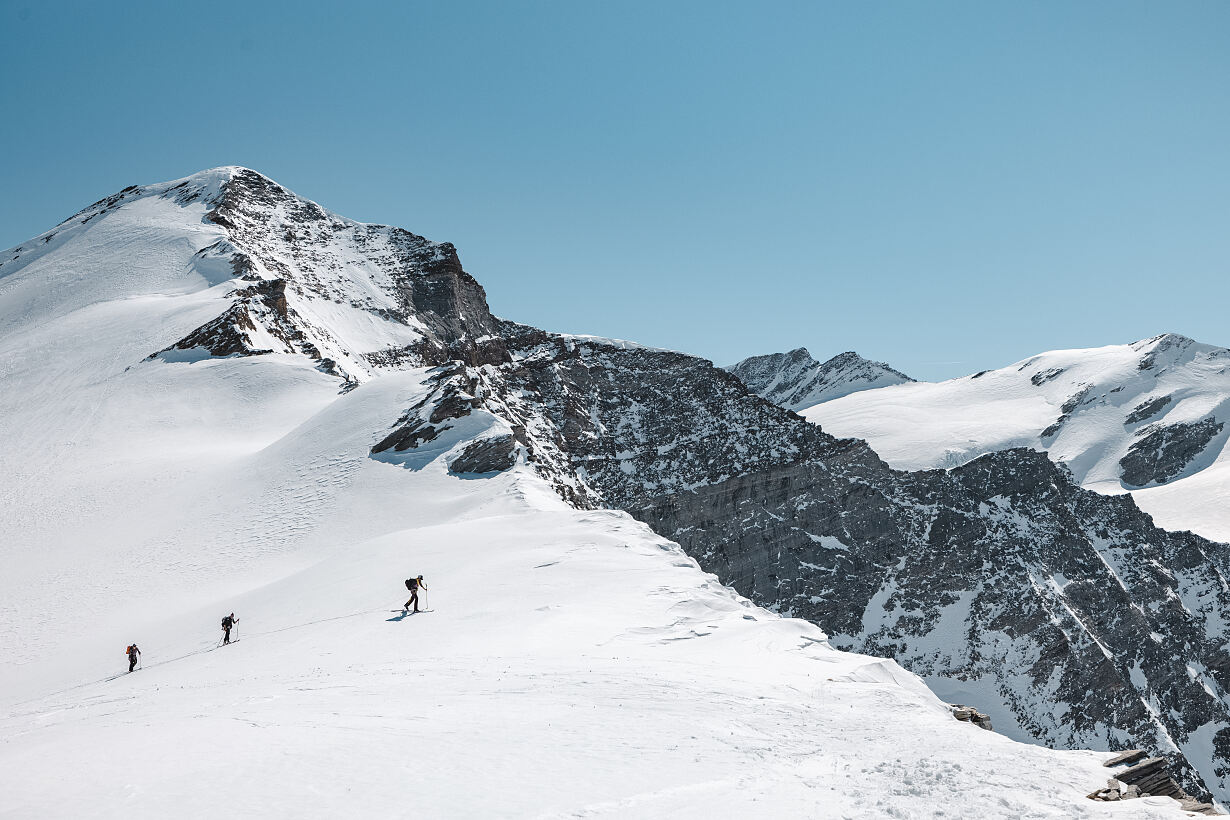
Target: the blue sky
pixel 945 186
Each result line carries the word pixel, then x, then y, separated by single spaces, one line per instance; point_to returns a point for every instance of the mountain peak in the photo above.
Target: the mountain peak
pixel 219 174
pixel 797 381
pixel 291 276
pixel 1163 341
pixel 1171 349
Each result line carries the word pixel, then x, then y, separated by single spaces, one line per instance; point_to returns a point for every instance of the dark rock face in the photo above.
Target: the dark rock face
pixel 1144 778
pixel 1147 409
pixel 262 305
pixel 1066 409
pixel 426 277
pixel 796 381
pixel 452 397
pixel 488 455
pixel 1083 617
pixel 969 714
pixel 1165 451
pixel 1042 377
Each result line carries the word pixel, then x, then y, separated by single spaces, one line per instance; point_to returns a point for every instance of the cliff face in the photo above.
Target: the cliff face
pixel 1087 624
pixel 1091 626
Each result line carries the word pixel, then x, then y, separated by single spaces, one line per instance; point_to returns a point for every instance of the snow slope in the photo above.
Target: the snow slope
pixel 1147 417
pixel 572 664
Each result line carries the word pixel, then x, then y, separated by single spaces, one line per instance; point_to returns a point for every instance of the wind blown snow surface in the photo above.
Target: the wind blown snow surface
pixel 570 664
pixel 1147 417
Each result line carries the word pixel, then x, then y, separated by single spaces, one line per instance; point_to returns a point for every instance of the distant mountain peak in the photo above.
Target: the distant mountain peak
pixel 1165 340
pixel 797 381
pixel 1173 349
pixel 1121 417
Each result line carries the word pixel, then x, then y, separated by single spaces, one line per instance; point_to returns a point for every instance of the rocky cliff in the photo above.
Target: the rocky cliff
pixel 1087 624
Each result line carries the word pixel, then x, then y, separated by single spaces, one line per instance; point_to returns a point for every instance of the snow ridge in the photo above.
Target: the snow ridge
pixel 1148 417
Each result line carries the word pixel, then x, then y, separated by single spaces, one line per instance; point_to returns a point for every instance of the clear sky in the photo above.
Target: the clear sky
pixel 945 186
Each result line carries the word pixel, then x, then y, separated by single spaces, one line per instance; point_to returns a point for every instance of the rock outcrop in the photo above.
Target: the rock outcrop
pixel 487 455
pixel 1163 451
pixel 1145 778
pixel 969 714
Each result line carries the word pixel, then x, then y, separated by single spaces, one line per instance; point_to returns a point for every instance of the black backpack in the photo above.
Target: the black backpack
pixel 412 584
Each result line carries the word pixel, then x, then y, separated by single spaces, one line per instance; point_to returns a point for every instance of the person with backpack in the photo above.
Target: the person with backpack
pixel 414 584
pixel 228 622
pixel 133 654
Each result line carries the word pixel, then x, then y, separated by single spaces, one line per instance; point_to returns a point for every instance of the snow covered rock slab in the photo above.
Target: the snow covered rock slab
pixel 1165 451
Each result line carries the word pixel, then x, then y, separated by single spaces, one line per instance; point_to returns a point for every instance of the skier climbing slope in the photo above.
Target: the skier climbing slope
pixel 414 585
pixel 594 667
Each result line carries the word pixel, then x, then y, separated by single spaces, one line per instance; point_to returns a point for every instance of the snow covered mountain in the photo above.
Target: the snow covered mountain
pixel 218 396
pixel 1149 417
pixel 797 381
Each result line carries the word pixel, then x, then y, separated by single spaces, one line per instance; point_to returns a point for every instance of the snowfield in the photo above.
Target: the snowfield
pixel 571 663
pixel 1089 409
